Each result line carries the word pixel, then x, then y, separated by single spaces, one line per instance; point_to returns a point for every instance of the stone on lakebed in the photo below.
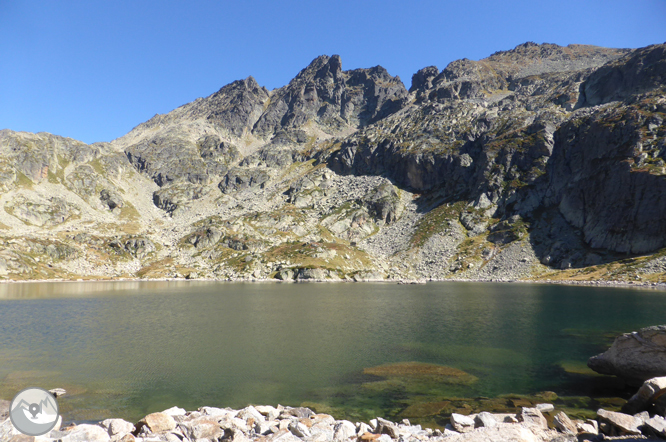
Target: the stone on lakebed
pixel 422 370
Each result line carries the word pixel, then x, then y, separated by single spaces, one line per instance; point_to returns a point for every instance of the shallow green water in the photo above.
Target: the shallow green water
pixel 126 349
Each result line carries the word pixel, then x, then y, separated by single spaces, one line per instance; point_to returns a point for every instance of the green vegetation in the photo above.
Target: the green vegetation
pixel 97 166
pixel 436 221
pixel 22 180
pixel 129 213
pixel 321 255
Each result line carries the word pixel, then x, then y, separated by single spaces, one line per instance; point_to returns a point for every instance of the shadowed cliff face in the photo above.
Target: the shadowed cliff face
pixel 600 166
pixel 538 159
pixel 603 184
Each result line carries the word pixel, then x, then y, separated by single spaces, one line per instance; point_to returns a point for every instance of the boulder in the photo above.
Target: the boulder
pixel 508 432
pixel 363 428
pixel 619 424
pixel 462 423
pixel 111 198
pixel 284 436
pixel 203 427
pixel 368 437
pixel 299 429
pixel 299 412
pixel 117 426
pixel 156 423
pixel 271 413
pixel 545 408
pixel 532 417
pixel 285 275
pixel 264 427
pixel 87 433
pixel 635 357
pixel 485 419
pixel 56 392
pixel 175 411
pixel 564 424
pixel 655 426
pixel 387 427
pixel 651 390
pixel 589 426
pixel 250 413
pixel 344 430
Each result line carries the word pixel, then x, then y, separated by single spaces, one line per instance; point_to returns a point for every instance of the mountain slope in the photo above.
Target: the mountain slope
pixel 538 162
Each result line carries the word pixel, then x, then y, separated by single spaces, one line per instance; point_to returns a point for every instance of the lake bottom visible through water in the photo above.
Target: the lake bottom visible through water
pixel 355 351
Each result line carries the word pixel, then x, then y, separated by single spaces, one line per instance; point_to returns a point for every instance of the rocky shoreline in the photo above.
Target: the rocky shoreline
pixel 287 424
pixel 596 283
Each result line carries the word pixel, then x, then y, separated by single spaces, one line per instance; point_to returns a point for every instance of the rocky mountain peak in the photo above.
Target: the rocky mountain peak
pixel 423 78
pixel 321 68
pixel 235 108
pixel 331 98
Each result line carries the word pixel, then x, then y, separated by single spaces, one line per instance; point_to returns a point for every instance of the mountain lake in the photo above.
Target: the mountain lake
pixel 356 351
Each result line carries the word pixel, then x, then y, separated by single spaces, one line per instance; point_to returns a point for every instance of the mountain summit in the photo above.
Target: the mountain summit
pixel 541 161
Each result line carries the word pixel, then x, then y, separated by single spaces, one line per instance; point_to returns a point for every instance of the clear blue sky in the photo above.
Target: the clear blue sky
pixel 93 69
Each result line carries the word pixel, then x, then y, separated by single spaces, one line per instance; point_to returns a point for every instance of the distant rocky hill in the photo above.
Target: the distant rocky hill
pixel 541 162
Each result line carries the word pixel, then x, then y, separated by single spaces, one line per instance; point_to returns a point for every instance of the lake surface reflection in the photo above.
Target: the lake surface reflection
pixel 125 349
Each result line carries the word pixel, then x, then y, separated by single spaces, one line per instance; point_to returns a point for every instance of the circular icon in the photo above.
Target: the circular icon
pixel 34 411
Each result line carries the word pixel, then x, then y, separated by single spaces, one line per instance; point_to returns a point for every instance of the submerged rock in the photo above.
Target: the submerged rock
pixel 422 371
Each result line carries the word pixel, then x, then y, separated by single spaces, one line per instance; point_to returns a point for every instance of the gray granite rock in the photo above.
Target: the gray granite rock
pixel 635 357
pixel 117 426
pixel 485 419
pixel 461 423
pixel 564 424
pixel 619 423
pixel 532 417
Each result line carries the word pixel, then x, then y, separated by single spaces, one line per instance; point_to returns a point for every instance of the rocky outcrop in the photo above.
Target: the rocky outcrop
pixel 138 247
pixel 636 356
pixel 596 160
pixel 640 71
pixel 241 178
pixel 168 158
pixel 333 98
pixel 174 196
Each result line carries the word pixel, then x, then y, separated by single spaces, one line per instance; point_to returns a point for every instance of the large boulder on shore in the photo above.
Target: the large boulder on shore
pixel 635 357
pixel 651 391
